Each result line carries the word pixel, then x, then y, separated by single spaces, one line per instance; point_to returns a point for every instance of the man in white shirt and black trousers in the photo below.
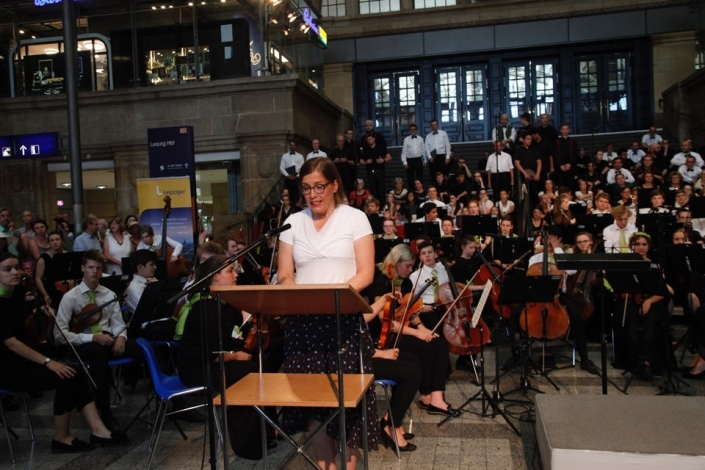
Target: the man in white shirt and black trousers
pixel 500 170
pixel 413 156
pixel 437 149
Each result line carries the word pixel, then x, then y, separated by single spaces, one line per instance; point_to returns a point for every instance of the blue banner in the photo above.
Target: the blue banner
pixel 171 152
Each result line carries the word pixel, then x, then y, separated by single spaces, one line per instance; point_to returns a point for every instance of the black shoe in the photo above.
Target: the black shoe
pixel 422 405
pixel 388 442
pixel 689 375
pixel 9 403
pixel 76 445
pixel 588 366
pixel 109 420
pixel 117 438
pixel 383 423
pixel 434 410
pixel 643 371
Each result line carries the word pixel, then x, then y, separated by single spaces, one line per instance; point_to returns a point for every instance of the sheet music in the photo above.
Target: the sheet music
pixel 481 304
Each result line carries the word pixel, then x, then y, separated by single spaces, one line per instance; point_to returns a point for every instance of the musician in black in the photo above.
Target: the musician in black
pixel 646 314
pixel 23 368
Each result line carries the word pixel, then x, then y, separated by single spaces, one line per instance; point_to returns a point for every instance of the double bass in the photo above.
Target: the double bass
pixel 545 320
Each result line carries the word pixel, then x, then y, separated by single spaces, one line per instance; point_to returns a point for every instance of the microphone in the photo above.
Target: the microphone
pixel 277 231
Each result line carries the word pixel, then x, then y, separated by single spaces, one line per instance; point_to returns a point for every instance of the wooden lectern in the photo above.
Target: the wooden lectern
pixel 300 390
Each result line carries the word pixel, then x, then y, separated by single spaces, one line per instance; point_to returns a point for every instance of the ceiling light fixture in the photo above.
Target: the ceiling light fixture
pixel 66 185
pixel 101 186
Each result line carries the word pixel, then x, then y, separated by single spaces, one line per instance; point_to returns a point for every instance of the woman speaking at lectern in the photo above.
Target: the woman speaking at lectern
pixel 329 242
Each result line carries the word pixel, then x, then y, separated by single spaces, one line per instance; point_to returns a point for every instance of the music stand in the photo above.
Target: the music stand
pixel 617 262
pixel 376 222
pixel 594 223
pixel 568 233
pixel 67 266
pixel 697 207
pixel 523 290
pixel 658 226
pixel 509 249
pixel 478 224
pixel 644 197
pixel 445 245
pixel 414 229
pixel 116 283
pixel 302 390
pixel 146 308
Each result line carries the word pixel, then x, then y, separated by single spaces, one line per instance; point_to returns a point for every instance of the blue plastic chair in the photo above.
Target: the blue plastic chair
pixel 8 431
pixel 166 387
pixel 116 366
pixel 386 386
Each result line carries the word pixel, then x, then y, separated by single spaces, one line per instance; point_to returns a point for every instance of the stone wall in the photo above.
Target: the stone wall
pixel 673 60
pixel 683 109
pixel 256 116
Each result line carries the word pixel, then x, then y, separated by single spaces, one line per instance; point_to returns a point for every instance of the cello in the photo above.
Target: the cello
pixel 180 266
pixel 461 337
pixel 545 320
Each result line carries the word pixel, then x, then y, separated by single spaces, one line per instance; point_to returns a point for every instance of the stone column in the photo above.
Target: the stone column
pixel 130 165
pixel 339 84
pixel 260 156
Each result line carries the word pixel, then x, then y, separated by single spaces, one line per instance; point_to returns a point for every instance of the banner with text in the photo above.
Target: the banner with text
pixel 171 152
pixel 150 195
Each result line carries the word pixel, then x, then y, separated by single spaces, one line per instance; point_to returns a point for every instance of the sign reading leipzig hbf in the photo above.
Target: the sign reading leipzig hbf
pixel 171 152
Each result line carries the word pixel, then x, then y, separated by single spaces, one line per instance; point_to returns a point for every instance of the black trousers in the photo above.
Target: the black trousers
pixel 434 361
pixel 376 181
pixel 501 181
pixel 439 164
pixel 646 334
pixel 96 358
pixel 406 372
pixel 24 376
pixel 414 172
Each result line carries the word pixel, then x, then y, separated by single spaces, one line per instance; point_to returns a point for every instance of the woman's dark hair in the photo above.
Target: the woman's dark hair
pixel 326 167
pixel 209 265
pixel 5 255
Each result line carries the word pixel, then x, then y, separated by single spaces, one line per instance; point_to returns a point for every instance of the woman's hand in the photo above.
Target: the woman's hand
pixel 391 354
pixel 425 334
pixel 237 356
pixel 60 369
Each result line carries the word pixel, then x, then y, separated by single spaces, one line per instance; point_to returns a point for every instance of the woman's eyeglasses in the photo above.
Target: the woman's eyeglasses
pixel 318 188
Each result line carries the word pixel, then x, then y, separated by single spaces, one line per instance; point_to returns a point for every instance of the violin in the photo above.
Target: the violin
pixel 556 322
pixel 90 315
pixel 38 326
pixel 389 307
pixel 181 266
pixel 267 330
pixel 408 305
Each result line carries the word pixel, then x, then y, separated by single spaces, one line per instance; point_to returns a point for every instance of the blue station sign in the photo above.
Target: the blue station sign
pixel 44 144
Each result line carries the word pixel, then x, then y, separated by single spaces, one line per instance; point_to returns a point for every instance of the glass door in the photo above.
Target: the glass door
pixel 462 102
pixel 604 94
pixel 530 87
pixel 395 101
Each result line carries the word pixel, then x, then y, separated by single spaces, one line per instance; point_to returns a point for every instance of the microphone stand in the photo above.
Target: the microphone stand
pixel 202 286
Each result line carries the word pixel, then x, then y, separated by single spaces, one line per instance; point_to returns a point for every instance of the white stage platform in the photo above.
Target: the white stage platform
pixel 579 432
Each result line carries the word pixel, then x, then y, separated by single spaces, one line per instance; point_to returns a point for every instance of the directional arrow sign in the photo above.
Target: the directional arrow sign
pixel 45 144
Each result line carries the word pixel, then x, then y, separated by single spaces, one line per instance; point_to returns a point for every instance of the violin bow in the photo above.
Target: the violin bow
pixel 406 310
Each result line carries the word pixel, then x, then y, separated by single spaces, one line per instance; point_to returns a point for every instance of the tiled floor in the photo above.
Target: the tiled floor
pixel 470 441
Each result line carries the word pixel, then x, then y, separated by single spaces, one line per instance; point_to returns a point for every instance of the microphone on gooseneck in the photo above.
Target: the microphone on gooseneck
pixel 277 231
